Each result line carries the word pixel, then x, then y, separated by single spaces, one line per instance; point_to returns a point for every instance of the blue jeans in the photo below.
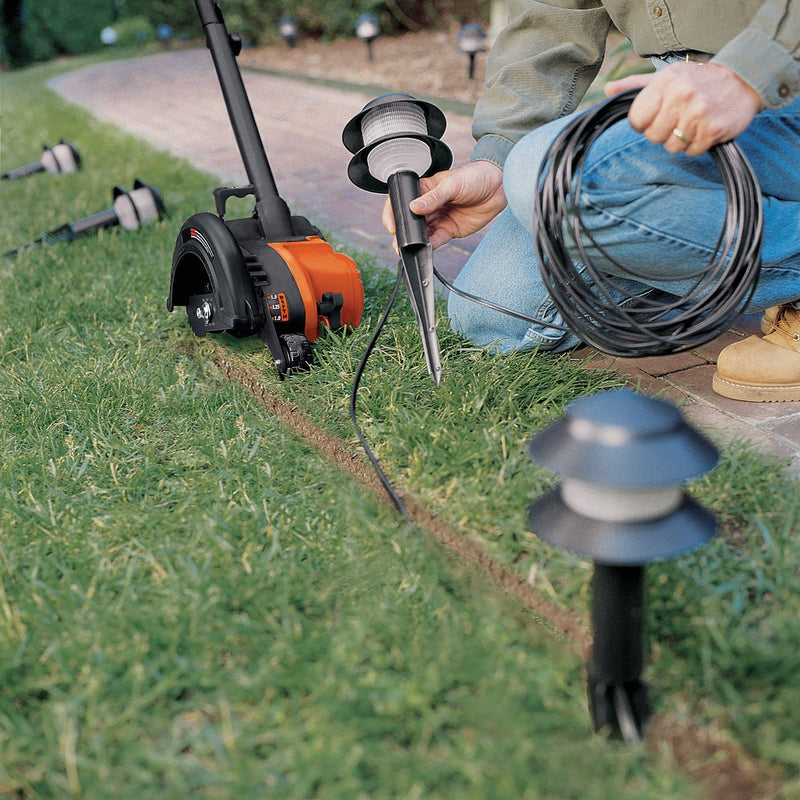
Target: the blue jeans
pixel 651 210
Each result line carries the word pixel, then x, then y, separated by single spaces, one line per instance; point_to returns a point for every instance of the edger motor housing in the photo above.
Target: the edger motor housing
pixel 233 281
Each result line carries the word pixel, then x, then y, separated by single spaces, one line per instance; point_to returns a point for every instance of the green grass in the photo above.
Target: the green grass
pixel 194 600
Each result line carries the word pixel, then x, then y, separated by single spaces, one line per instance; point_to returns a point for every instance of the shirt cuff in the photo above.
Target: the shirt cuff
pixel 492 147
pixel 763 64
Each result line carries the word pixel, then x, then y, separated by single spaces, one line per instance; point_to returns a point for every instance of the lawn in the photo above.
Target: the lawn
pixel 195 597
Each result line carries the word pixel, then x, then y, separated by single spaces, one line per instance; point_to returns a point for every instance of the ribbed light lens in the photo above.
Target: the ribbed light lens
pixel 136 208
pixel 401 154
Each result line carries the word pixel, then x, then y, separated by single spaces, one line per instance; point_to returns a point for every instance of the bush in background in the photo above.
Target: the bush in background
pixel 37 30
pixel 134 30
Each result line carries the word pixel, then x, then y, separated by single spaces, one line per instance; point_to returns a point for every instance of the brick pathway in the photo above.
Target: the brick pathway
pixel 173 101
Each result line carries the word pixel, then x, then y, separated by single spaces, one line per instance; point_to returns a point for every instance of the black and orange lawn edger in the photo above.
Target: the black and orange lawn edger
pixel 271 275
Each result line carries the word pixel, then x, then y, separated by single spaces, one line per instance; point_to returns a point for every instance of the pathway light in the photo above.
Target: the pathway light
pixel 472 40
pixel 287 27
pixel 367 29
pixel 396 141
pixel 623 458
pixel 108 36
pixel 64 157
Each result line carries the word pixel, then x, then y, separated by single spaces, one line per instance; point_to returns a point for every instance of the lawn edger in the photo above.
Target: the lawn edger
pixel 271 275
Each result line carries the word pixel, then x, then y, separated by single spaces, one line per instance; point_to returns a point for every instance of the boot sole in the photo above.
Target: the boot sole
pixel 755 394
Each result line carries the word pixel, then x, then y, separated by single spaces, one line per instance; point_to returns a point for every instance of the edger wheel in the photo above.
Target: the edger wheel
pixel 297 351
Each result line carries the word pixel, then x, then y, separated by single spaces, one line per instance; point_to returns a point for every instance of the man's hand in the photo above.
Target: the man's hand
pixel 456 202
pixel 690 107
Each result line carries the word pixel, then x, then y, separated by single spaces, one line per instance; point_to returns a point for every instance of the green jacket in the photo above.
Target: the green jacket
pixel 551 50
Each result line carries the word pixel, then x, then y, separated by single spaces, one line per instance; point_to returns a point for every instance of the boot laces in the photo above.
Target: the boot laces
pixel 789 326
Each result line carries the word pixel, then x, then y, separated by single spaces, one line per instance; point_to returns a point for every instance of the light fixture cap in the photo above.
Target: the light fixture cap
pixel 287 26
pixel 367 27
pixel 620 438
pixel 471 38
pixel 144 204
pixel 435 121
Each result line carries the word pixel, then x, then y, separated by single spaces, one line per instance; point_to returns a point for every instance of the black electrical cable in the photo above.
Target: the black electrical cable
pixel 593 302
pixel 390 490
pixel 594 305
pixel 494 306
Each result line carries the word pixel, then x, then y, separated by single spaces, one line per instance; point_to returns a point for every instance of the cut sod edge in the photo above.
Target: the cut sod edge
pixel 343 456
pixel 711 758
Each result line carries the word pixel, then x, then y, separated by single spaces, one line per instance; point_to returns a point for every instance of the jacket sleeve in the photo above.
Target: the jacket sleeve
pixel 539 69
pixel 766 54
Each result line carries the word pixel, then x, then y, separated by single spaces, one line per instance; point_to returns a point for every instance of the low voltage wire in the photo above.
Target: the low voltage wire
pixel 390 490
pixel 720 291
pixel 592 302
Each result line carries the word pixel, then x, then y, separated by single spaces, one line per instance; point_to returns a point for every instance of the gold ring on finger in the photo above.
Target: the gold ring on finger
pixel 677 132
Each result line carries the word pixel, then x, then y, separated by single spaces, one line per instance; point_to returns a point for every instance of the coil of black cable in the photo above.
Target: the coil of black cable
pixel 592 302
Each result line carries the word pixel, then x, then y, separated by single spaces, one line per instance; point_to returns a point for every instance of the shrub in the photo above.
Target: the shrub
pixel 36 30
pixel 52 27
pixel 134 30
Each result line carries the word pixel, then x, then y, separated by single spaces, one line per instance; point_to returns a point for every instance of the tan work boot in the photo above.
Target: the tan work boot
pixel 763 370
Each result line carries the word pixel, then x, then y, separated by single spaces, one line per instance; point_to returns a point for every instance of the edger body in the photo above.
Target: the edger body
pixel 271 275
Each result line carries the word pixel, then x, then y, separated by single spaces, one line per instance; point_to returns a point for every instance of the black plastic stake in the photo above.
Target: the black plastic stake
pixel 618 698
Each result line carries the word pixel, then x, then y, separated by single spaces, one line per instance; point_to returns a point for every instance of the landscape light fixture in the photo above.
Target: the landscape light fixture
pixel 623 457
pixel 130 210
pixel 63 158
pixel 396 141
pixel 287 28
pixel 472 40
pixel 367 29
pixel 108 36
pixel 164 33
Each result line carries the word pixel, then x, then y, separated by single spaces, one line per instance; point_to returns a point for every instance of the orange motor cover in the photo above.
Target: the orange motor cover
pixel 317 268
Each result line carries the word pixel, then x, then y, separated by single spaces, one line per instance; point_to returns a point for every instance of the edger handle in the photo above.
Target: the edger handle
pixel 272 211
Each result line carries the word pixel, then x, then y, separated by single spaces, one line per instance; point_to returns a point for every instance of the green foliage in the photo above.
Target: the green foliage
pixel 50 28
pixel 329 19
pixel 134 30
pixel 53 27
pixel 181 17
